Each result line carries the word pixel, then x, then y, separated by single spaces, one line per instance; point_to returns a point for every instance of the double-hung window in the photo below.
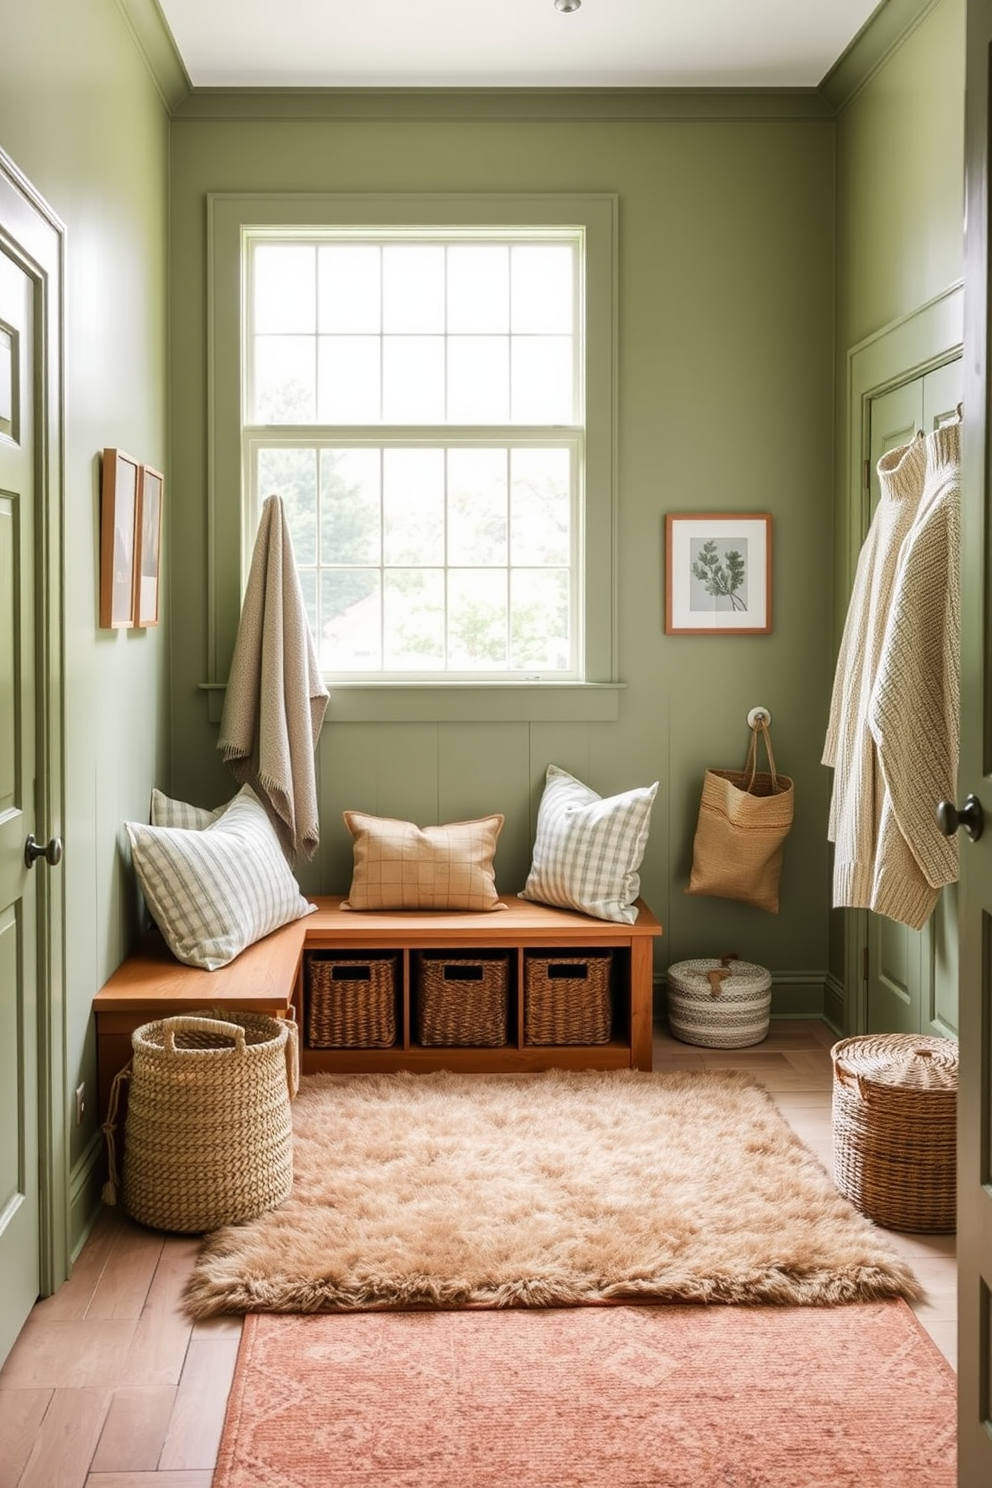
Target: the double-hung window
pixel 431 394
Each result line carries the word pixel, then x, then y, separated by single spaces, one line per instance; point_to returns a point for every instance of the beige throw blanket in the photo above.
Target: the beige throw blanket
pixel 276 699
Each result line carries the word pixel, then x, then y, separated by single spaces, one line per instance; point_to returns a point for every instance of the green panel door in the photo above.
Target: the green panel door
pixel 19 1180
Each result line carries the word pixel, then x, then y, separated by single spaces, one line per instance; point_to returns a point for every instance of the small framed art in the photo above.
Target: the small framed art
pixel 718 574
pixel 151 486
pixel 118 528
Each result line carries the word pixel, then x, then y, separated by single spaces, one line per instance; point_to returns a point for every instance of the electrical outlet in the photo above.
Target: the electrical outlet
pixel 80 1103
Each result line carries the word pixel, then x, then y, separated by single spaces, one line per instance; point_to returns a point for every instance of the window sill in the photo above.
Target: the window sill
pixel 462 702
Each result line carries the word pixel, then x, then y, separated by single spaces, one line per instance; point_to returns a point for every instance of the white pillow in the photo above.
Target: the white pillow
pixel 588 848
pixel 216 890
pixel 165 812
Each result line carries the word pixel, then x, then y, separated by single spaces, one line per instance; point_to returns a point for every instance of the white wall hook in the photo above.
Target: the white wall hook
pixel 758 716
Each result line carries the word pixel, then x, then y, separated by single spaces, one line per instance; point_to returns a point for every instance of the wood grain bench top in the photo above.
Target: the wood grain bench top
pixel 265 974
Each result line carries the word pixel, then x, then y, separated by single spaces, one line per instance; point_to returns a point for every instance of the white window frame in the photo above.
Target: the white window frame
pixel 231 217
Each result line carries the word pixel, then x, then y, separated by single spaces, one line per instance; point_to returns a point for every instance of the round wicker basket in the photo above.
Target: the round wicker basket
pixel 720 1004
pixel 208 1138
pixel 894 1129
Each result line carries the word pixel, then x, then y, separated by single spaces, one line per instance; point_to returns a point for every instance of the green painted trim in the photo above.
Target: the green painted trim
pixel 85 1194
pixel 834 1004
pixel 464 702
pixel 228 545
pixel 154 40
pixel 882 34
pixel 505 105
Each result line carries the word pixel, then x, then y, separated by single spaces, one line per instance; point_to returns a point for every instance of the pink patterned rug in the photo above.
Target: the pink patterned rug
pixel 651 1396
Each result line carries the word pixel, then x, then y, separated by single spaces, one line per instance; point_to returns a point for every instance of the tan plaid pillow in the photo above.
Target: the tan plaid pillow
pixel 399 865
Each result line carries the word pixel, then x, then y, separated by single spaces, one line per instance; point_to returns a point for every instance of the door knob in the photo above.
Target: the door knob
pixel 970 816
pixel 51 851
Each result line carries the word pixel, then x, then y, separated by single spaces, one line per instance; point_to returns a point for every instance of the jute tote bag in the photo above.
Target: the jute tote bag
pixel 744 819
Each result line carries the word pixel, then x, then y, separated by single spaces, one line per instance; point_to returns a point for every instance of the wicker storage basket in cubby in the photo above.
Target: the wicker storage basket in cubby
pixel 895 1128
pixel 567 998
pixel 351 1002
pixel 463 999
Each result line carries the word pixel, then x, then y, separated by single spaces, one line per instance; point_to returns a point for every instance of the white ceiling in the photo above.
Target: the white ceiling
pixel 512 43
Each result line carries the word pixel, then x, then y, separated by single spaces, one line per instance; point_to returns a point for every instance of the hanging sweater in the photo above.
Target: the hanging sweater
pixel 849 748
pixel 914 709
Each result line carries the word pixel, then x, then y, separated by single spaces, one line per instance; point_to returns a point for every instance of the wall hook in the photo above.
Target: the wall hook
pixel 757 717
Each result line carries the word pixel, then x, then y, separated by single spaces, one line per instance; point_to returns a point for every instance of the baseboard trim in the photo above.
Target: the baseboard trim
pixel 795 994
pixel 85 1194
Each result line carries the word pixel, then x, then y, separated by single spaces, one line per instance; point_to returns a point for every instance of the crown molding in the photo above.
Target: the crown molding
pixel 151 35
pixel 882 34
pixel 505 105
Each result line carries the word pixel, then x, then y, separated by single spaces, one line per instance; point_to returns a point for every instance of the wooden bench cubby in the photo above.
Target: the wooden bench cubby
pixel 270 977
pixel 521 928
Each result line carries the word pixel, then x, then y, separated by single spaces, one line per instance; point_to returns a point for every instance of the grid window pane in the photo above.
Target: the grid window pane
pixel 350 512
pixel 541 385
pixel 413 506
pixel 348 380
pixel 351 621
pixel 284 287
pixel 539 629
pixel 285 380
pixel 477 619
pixel 478 289
pixel 413 611
pixel 413 379
pixel 542 290
pixel 412 288
pixel 292 474
pixel 425 545
pixel 477 531
pixel 478 379
pixel 349 289
pixel 540 506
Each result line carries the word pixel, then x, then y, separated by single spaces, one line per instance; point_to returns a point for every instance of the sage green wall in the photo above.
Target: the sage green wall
pixel 726 340
pixel 82 119
pixel 900 209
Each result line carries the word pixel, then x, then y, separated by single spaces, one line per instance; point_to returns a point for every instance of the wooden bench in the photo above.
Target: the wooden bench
pixel 270 977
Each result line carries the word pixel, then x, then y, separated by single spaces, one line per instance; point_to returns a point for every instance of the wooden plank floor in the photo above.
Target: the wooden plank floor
pixel 110 1386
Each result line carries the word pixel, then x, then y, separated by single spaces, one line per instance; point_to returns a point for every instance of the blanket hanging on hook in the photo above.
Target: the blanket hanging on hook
pixel 744 819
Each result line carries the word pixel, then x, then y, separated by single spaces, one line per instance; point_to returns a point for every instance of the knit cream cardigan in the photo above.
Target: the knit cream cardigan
pixel 915 712
pixel 849 748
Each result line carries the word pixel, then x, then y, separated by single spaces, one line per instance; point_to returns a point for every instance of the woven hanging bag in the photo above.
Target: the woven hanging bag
pixel 744 819
pixel 208 1139
pixel 895 1129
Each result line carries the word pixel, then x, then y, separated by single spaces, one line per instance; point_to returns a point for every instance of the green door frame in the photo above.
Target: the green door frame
pixel 905 349
pixel 28 222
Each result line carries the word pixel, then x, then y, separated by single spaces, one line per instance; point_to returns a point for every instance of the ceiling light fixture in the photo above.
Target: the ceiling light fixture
pixel 567 6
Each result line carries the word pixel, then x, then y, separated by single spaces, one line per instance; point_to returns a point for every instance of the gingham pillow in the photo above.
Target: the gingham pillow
pixel 165 812
pixel 214 891
pixel 588 848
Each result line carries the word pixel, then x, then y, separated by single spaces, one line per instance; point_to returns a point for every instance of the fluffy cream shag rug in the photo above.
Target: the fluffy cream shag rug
pixel 558 1189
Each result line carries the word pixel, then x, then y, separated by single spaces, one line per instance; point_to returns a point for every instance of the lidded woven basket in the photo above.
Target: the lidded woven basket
pixel 208 1138
pixel 895 1129
pixel 720 1004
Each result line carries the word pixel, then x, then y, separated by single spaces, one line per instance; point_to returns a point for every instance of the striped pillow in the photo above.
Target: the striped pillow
pixel 216 890
pixel 588 848
pixel 165 812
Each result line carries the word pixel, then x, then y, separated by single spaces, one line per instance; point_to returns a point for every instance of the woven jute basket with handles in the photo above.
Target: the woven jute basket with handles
pixel 895 1129
pixel 208 1138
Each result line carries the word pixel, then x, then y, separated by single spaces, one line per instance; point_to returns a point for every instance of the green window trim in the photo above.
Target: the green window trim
pixel 229 217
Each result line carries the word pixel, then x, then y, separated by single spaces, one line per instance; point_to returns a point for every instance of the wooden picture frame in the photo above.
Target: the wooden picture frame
pixel 148 546
pixel 718 574
pixel 118 530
